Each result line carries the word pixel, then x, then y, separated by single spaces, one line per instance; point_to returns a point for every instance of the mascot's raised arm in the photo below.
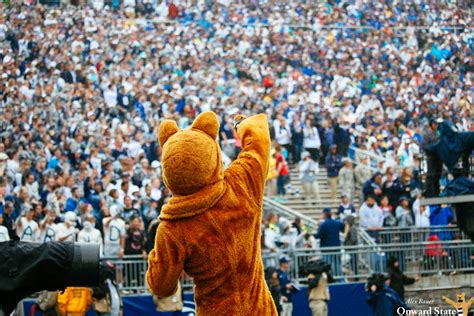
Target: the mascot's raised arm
pixel 210 228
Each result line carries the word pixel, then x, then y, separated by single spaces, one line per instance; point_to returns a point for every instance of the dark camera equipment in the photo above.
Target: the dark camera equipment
pixel 465 215
pixel 317 267
pixel 377 279
pixel 106 271
pixel 26 268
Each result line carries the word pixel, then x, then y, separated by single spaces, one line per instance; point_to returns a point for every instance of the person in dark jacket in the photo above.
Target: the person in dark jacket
pixel 430 137
pixel 383 300
pixel 373 187
pixel 333 165
pixel 398 280
pixel 69 76
pixel 287 288
pixel 273 282
pixel 151 233
pixel 351 239
pixel 328 234
pixel 342 138
pixel 390 190
pixel 404 186
pixel 328 231
pixel 297 137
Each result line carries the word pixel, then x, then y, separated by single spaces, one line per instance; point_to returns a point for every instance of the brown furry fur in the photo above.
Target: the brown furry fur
pixel 211 226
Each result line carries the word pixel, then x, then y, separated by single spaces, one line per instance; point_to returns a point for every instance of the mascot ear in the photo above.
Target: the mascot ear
pixel 208 123
pixel 167 129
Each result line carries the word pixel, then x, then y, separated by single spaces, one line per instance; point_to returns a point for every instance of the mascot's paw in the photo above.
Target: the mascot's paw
pixel 239 117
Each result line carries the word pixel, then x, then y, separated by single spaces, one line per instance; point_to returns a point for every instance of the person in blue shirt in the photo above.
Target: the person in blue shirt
pixel 287 287
pixel 72 203
pixel 442 215
pixel 346 207
pixel 328 235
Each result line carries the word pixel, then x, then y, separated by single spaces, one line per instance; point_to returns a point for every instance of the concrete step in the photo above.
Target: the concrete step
pixel 311 203
pixel 319 209
pixel 311 206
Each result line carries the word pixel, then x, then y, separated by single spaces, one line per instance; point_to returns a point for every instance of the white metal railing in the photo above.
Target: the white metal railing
pixel 387 235
pixel 376 162
pixel 281 210
pixel 354 262
pixel 347 262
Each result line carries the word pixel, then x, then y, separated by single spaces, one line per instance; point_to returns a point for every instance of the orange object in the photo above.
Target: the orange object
pixel 210 228
pixel 74 301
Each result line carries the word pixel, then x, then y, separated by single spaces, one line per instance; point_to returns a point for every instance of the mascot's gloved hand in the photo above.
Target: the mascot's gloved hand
pixel 238 119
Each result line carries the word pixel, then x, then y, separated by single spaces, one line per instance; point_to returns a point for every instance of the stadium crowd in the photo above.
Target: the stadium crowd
pixel 83 91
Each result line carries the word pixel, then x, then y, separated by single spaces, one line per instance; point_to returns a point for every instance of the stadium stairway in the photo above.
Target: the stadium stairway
pixel 310 206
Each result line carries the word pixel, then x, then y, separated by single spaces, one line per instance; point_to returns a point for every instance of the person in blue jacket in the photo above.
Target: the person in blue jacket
pixel 374 187
pixel 342 138
pixel 442 215
pixel 383 300
pixel 287 287
pixel 328 234
pixel 333 165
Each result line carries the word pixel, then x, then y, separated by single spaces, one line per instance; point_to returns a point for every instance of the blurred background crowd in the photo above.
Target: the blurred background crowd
pixel 83 90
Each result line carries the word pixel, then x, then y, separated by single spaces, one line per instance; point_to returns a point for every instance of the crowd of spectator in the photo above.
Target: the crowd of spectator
pixel 84 88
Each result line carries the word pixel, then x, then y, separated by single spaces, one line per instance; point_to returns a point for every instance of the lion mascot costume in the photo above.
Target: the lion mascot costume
pixel 210 228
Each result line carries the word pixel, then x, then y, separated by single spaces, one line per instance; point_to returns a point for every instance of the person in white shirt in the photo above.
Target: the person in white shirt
pixel 283 135
pixel 89 234
pixel 114 233
pixel 311 140
pixel 282 131
pixel 272 233
pixel 308 171
pixel 32 186
pixel 67 231
pixel 26 228
pixel 48 229
pixel 371 217
pixel 4 236
pixel 422 214
pixel 110 96
pixel 134 146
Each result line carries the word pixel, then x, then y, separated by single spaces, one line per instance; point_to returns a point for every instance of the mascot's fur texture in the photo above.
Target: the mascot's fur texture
pixel 211 226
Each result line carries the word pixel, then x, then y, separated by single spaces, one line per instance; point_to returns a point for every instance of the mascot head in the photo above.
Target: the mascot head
pixel 191 158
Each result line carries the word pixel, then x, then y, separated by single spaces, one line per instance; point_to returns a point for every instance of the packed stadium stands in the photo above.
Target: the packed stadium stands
pixel 357 86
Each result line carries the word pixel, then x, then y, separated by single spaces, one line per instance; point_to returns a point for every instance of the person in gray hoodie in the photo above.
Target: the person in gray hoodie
pixel 371 217
pixel 404 213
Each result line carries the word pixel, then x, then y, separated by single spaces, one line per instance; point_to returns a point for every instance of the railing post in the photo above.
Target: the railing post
pixel 296 263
